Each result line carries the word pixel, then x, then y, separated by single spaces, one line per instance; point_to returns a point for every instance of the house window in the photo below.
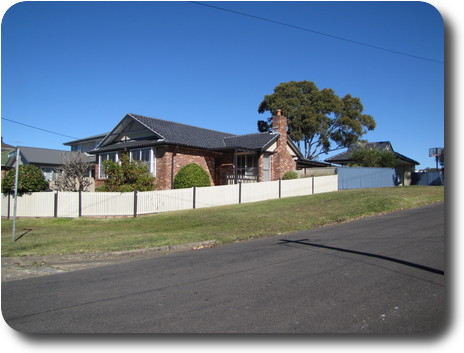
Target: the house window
pixel 49 173
pixel 247 165
pixel 145 156
pixel 112 156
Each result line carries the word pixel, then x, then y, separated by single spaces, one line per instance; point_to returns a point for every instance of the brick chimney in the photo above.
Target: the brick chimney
pixel 279 124
pixel 282 159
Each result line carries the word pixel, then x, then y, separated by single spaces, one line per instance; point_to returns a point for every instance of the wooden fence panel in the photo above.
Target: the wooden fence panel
pixel 297 187
pixel 326 184
pixel 260 191
pixel 68 204
pixel 217 196
pixel 164 201
pixel 102 204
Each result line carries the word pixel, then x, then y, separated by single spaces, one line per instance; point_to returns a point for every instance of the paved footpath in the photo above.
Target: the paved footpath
pixel 384 274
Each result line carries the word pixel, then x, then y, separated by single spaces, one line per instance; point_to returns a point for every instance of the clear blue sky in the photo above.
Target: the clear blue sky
pixel 78 68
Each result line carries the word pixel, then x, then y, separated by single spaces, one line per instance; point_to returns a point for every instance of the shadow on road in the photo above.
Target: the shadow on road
pixel 382 257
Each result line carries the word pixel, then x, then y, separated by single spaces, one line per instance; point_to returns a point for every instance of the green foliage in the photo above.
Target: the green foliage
pixel 127 176
pixel 319 118
pixel 371 157
pixel 30 179
pixel 291 174
pixel 191 175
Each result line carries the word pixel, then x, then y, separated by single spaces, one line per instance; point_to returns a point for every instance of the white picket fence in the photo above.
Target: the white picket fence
pixel 110 204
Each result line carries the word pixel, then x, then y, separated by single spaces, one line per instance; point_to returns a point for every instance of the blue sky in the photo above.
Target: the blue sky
pixel 77 68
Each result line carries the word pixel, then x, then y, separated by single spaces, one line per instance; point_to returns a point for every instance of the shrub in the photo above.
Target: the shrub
pixel 191 175
pixel 369 157
pixel 291 174
pixel 30 179
pixel 127 176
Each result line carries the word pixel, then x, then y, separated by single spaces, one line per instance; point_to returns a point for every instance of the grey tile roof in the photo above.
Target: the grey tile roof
pixel 251 141
pixel 182 134
pixel 172 133
pixel 42 156
pixel 382 146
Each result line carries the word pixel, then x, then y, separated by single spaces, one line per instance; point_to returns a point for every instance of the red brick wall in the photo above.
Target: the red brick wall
pixel 209 161
pixel 183 156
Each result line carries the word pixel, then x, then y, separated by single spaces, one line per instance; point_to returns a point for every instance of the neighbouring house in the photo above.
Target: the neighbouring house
pixel 86 144
pixel 48 161
pixel 6 150
pixel 406 166
pixel 166 146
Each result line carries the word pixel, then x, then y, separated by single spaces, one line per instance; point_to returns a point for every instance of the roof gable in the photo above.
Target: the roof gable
pixel 155 132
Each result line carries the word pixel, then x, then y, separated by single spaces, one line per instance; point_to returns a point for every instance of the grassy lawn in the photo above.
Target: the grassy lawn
pixel 227 224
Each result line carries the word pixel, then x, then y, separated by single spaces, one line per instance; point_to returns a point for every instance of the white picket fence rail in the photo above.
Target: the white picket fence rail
pixel 110 204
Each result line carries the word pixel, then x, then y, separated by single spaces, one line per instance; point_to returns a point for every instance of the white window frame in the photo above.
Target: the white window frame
pixel 101 173
pixel 50 173
pixel 151 163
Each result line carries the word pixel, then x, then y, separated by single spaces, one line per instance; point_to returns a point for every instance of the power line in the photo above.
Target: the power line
pixel 317 32
pixel 38 128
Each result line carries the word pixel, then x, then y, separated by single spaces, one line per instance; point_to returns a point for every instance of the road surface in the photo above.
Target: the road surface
pixel 384 274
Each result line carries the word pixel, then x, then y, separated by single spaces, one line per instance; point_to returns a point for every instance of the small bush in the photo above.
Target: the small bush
pixel 30 179
pixel 291 174
pixel 191 175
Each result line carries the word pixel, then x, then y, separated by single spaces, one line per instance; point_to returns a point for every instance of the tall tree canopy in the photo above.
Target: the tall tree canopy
pixel 320 119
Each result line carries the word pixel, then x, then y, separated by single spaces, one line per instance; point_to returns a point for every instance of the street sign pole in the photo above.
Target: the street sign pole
pixel 15 203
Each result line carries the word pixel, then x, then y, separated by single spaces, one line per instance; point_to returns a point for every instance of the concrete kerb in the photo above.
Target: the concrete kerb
pixel 15 268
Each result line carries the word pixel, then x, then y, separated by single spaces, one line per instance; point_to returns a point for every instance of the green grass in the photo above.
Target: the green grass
pixel 226 224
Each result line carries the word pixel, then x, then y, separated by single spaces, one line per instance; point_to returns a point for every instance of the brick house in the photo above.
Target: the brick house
pixel 166 146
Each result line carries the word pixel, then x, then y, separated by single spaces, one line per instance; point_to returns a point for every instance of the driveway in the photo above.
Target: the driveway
pixel 382 274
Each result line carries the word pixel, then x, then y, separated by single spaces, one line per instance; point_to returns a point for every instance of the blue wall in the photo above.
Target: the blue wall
pixel 362 178
pixel 429 178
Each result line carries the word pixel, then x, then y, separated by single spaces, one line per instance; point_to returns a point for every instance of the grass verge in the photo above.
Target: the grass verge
pixel 46 236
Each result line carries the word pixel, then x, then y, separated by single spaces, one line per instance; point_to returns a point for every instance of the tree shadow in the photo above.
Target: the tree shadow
pixel 382 257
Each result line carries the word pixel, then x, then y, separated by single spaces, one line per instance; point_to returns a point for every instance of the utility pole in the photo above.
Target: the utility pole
pixel 15 203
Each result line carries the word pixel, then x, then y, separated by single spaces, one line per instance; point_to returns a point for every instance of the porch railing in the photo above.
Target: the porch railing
pixel 230 179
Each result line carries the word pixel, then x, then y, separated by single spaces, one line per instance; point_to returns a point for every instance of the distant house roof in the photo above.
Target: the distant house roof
pixel 345 157
pixel 41 156
pixel 171 133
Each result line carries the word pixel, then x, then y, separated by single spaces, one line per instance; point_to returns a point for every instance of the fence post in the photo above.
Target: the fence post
pixel 194 196
pixel 280 188
pixel 312 182
pixel 240 192
pixel 135 203
pixel 80 203
pixel 55 213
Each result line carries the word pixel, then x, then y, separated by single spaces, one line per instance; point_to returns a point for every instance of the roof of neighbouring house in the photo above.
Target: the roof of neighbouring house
pixel 42 156
pixel 345 157
pixel 172 133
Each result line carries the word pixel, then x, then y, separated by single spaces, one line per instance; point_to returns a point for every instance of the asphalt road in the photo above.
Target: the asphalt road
pixel 383 274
